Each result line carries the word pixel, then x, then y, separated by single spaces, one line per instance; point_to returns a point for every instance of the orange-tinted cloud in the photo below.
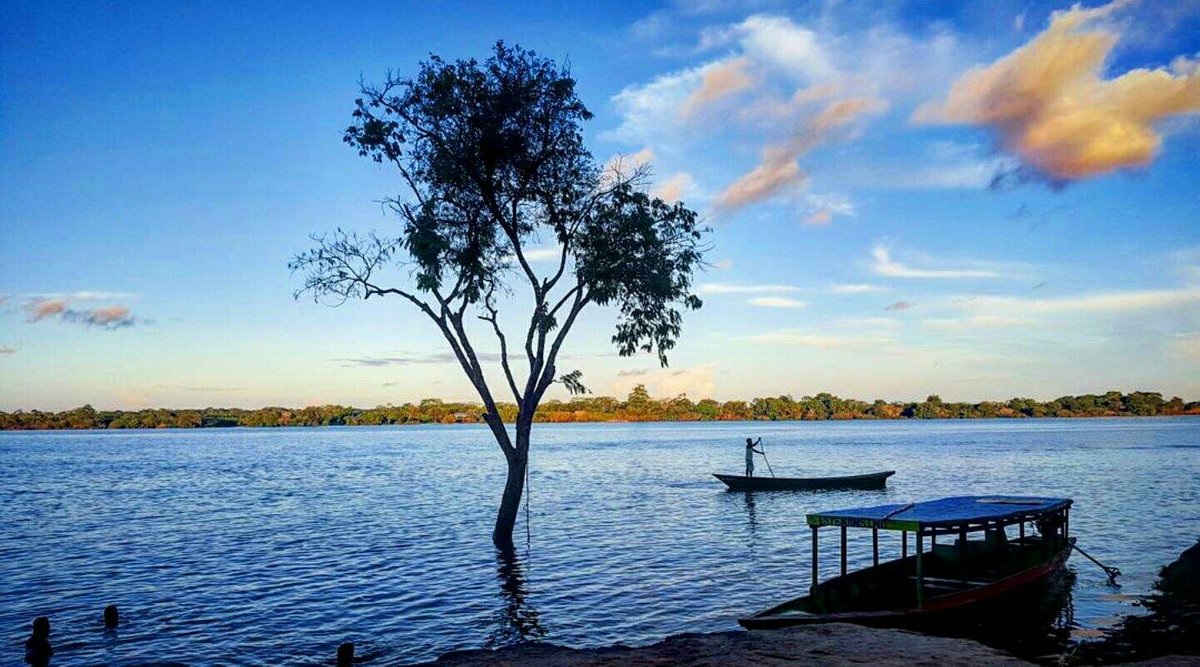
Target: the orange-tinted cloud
pixel 673 189
pixel 39 309
pixel 778 169
pixel 108 317
pixel 821 216
pixel 1053 109
pixel 720 80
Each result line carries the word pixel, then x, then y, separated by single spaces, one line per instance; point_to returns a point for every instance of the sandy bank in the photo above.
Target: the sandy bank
pixel 831 644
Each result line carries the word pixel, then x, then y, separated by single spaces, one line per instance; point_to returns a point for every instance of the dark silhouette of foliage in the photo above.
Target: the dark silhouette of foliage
pixel 638 406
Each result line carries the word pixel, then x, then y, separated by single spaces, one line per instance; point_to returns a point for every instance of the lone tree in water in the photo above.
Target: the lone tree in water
pixel 492 163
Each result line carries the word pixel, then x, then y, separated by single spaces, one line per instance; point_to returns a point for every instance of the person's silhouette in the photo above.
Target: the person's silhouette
pixel 37 647
pixel 750 452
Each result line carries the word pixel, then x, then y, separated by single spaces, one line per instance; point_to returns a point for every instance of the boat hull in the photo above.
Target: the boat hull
pixel 938 612
pixel 877 480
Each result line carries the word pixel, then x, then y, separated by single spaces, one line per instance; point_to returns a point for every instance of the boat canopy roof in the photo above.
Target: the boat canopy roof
pixel 954 511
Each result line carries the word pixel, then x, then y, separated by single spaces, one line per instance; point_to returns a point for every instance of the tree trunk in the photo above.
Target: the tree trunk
pixel 514 487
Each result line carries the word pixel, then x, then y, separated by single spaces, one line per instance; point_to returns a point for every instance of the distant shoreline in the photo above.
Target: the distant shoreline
pixel 638 407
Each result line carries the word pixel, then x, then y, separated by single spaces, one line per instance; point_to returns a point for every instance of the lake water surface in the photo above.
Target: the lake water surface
pixel 273 546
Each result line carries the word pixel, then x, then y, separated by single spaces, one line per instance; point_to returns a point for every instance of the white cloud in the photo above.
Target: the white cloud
pixel 725 288
pixel 975 322
pixel 823 208
pixel 776 302
pixel 649 112
pixel 801 338
pixel 884 265
pixel 792 48
pixel 1187 345
pixel 1091 303
pixel 854 288
pixel 545 253
pixel 696 382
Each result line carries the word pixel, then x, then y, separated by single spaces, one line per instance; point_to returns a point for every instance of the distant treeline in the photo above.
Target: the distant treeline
pixel 638 406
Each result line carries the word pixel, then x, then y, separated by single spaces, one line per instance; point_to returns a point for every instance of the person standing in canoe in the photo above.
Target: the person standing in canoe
pixel 750 452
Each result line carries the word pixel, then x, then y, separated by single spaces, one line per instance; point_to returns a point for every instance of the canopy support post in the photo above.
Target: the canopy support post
pixel 920 573
pixel 903 544
pixel 875 546
pixel 843 551
pixel 812 589
pixel 962 548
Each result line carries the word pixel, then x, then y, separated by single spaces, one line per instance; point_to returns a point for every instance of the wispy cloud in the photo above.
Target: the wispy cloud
pixel 1051 106
pixel 854 288
pixel 726 288
pixel 823 208
pixel 899 305
pixel 4 349
pixel 779 170
pixel 414 359
pixel 718 80
pixel 884 265
pixel 1187 345
pixel 803 338
pixel 40 308
pixel 538 254
pixel 776 302
pixel 111 317
pixel 696 381
pixel 82 295
pixel 1091 303
pixel 675 188
pixel 202 389
pixel 975 322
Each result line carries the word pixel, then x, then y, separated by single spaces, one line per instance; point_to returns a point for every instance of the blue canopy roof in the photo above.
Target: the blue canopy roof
pixel 943 512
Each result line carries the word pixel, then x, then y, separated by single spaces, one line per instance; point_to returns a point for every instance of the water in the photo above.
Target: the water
pixel 274 546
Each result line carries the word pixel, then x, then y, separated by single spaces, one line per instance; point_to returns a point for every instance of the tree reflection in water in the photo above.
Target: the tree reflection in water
pixel 516 620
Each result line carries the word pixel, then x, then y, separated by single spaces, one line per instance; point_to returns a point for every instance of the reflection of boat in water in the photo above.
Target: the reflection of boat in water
pixel 944 584
pixel 875 480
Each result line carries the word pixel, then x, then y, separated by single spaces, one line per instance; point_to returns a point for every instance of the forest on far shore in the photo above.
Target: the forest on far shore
pixel 638 406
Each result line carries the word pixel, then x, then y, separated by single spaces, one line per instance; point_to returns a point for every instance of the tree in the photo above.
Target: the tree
pixel 490 159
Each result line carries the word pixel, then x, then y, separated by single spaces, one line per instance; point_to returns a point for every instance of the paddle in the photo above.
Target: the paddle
pixel 764 453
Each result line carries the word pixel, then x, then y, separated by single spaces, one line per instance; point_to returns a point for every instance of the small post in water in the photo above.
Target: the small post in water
pixel 345 655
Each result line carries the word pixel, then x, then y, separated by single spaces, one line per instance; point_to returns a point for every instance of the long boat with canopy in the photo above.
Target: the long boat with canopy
pixel 992 548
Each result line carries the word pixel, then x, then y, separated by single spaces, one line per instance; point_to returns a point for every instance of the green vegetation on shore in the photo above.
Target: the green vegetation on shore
pixel 638 406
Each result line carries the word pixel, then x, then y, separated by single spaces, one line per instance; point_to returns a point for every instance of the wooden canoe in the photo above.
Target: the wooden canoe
pixel 875 480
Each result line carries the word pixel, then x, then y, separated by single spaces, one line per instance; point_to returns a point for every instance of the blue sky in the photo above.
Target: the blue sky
pixel 981 200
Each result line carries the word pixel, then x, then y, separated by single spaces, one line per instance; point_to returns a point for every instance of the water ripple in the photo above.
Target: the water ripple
pixel 254 547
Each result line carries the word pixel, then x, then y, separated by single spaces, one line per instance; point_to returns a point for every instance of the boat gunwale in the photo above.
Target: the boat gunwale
pixel 884 474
